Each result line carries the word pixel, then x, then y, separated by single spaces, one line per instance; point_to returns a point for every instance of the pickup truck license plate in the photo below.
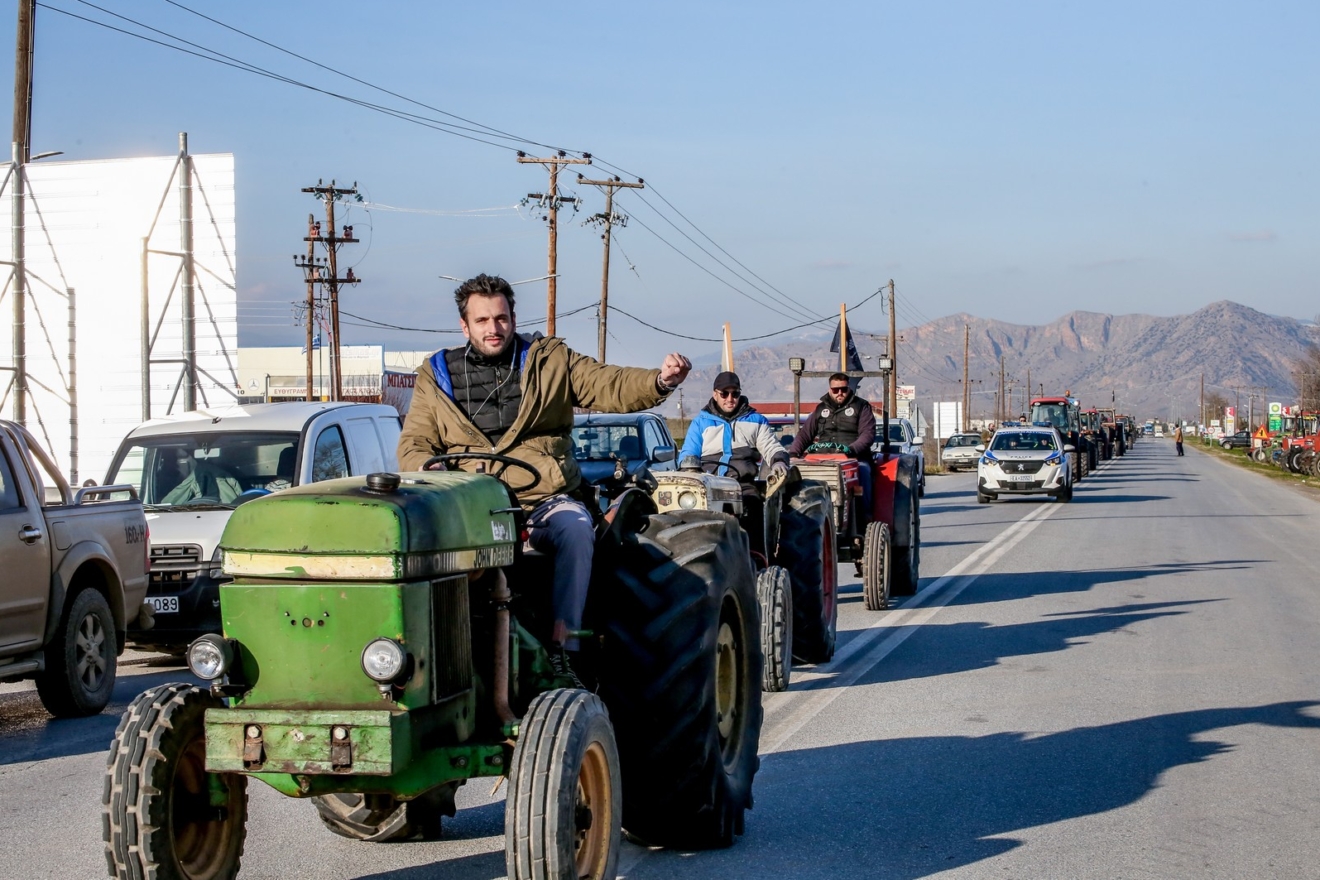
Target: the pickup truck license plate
pixel 164 604
pixel 1020 478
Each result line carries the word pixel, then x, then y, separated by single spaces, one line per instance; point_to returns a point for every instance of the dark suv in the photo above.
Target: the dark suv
pixel 1240 440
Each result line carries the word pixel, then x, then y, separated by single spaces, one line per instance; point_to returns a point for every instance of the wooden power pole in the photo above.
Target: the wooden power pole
pixel 608 219
pixel 326 274
pixel 893 349
pixel 550 200
pixel 967 394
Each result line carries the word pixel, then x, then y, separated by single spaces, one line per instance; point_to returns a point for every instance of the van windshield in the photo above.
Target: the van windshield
pixel 206 469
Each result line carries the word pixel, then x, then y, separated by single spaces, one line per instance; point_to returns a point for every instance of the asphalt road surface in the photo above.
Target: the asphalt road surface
pixel 1124 686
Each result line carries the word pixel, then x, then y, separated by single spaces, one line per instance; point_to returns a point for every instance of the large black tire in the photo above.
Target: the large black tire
pixel 774 595
pixel 806 549
pixel 561 820
pixel 905 547
pixel 158 819
pixel 376 818
pixel 875 567
pixel 681 674
pixel 81 660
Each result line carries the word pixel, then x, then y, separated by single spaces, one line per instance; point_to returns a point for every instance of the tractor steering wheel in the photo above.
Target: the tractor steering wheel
pixel 489 456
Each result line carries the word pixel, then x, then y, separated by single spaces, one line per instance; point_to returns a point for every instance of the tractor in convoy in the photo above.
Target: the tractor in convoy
pixel 1064 413
pixel 791 540
pixel 384 642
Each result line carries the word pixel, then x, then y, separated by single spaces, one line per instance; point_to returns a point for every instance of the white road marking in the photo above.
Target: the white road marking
pixel 786 713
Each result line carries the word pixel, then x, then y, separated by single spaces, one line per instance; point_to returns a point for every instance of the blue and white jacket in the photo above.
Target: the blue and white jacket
pixel 731 445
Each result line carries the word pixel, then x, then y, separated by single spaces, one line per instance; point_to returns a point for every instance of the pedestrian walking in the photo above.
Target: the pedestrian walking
pixel 1178 438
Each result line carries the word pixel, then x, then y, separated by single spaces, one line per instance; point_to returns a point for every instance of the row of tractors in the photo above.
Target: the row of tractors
pixel 386 639
pixel 1292 448
pixel 1097 434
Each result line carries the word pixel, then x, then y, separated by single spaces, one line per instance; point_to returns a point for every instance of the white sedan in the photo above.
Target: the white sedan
pixel 1024 460
pixel 960 451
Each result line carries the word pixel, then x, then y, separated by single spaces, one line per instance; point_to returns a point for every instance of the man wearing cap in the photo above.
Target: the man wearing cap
pixel 844 419
pixel 730 438
pixel 513 395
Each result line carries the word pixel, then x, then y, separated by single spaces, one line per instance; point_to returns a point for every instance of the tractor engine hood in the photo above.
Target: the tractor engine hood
pixel 432 524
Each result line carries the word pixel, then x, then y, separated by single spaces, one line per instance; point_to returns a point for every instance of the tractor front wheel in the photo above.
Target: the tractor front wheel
pixel 562 815
pixel 774 593
pixel 165 817
pixel 875 567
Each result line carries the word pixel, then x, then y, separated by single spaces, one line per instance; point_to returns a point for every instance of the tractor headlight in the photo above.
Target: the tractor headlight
pixel 383 660
pixel 209 657
pixel 687 500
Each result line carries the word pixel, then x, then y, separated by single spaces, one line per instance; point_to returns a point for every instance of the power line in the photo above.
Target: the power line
pixel 742 338
pixel 479 133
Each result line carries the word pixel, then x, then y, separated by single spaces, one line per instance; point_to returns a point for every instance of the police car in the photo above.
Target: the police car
pixel 1024 460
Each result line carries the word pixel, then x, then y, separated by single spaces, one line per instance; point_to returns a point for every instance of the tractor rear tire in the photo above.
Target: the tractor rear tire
pixel 806 549
pixel 875 567
pixel 376 818
pixel 774 594
pixel 562 815
pixel 905 566
pixel 158 820
pixel 680 672
pixel 370 817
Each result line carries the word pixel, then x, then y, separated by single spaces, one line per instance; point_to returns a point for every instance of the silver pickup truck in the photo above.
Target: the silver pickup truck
pixel 75 576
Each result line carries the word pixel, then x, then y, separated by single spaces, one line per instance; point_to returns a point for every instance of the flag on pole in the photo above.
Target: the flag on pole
pixel 316 344
pixel 854 359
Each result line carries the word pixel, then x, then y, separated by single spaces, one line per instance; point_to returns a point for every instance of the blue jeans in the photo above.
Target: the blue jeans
pixel 561 527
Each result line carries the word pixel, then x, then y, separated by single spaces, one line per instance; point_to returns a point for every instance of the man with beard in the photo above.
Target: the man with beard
pixel 514 395
pixel 847 422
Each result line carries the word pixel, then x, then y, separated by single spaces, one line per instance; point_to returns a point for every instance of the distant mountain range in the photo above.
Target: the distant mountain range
pixel 1151 366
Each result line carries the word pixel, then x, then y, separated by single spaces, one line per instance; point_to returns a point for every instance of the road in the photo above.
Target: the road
pixel 1124 686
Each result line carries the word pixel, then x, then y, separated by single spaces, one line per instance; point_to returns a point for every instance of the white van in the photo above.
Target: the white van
pixel 193 469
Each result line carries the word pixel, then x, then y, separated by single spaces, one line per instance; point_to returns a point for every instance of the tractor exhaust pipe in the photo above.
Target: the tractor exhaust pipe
pixel 502 596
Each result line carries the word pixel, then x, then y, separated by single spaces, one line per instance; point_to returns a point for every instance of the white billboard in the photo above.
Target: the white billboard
pixel 948 419
pixel 85 227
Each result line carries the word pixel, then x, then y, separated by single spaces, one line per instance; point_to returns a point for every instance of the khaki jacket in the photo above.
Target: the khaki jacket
pixel 555 379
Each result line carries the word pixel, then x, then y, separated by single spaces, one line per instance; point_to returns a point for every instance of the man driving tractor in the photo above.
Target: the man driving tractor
pixel 730 438
pixel 844 422
pixel 514 395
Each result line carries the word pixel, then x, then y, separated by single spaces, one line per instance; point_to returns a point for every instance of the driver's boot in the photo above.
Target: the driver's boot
pixel 560 663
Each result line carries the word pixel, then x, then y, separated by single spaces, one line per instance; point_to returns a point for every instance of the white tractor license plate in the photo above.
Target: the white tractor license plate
pixel 164 604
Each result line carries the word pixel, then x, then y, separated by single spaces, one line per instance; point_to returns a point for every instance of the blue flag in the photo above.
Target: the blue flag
pixel 316 344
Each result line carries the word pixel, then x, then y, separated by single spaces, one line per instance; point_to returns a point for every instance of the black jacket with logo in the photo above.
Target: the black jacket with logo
pixel 850 423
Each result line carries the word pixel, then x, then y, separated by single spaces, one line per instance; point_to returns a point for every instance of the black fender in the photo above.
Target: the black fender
pixel 82 554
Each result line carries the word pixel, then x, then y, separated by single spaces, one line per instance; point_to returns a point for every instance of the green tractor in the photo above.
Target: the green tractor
pixel 383 643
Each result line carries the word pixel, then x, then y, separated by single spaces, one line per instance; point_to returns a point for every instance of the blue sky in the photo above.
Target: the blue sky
pixel 1013 161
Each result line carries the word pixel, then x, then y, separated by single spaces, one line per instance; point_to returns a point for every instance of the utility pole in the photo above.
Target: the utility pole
pixel 23 54
pixel 187 276
pixel 329 279
pixel 967 393
pixel 893 349
pixel 550 200
pixel 608 219
pixel 999 416
pixel 1201 424
pixel 313 232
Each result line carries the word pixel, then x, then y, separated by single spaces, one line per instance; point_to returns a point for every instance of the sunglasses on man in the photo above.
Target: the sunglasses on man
pixel 728 392
pixel 835 389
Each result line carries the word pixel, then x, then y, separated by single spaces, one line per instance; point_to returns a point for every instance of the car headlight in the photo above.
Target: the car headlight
pixel 1055 458
pixel 687 500
pixel 217 560
pixel 989 459
pixel 209 657
pixel 383 659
